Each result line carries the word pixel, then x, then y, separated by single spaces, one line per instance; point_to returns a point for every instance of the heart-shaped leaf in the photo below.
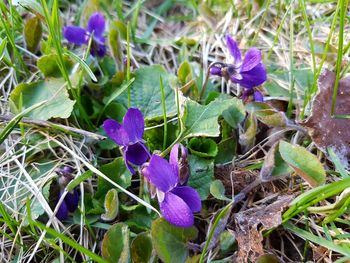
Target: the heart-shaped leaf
pixel 141 248
pixel 202 174
pixel 53 90
pixel 115 244
pixel 115 171
pixel 49 67
pixel 111 205
pixel 33 32
pixel 266 114
pixel 304 163
pixel 202 120
pixel 217 190
pixel 203 147
pixel 146 95
pixel 170 241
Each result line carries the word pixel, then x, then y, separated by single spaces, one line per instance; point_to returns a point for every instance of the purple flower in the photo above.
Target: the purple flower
pixel 257 95
pixel 69 204
pixel 80 36
pixel 129 135
pixel 249 73
pixel 177 202
pixel 71 200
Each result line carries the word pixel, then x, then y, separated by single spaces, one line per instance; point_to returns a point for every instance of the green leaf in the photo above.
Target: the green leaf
pixel 202 174
pixel 202 120
pixel 51 90
pixel 115 244
pixel 273 165
pixel 117 172
pixel 339 165
pixel 266 114
pixel 33 32
pixel 49 67
pixel 184 72
pixel 111 205
pixel 141 248
pixel 268 258
pixel 145 93
pixel 227 240
pixel 303 162
pixel 247 138
pixel 226 150
pixel 203 147
pixel 217 190
pixel 234 115
pixel 170 241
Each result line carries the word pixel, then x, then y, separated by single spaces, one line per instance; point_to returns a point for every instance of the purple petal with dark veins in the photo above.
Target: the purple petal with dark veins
pixel 215 71
pixel 136 153
pixel 234 50
pixel 160 173
pixel 72 200
pixel 62 212
pixel 116 132
pixel 253 77
pixel 176 211
pixel 252 59
pixel 96 24
pixel 190 196
pixel 76 35
pixel 258 97
pixel 134 124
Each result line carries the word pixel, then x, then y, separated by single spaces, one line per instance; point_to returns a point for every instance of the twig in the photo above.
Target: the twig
pixel 48 124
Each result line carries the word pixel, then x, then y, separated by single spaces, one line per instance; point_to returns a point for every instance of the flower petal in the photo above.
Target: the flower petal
pixel 136 153
pixel 176 211
pixel 258 96
pixel 252 78
pixel 116 132
pixel 134 124
pixel 160 173
pixel 252 59
pixel 234 50
pixel 62 212
pixel 129 166
pixel 190 197
pixel 215 71
pixel 72 200
pixel 174 158
pixel 96 24
pixel 76 35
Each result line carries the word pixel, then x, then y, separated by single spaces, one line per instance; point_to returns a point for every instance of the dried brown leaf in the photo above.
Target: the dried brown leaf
pixel 324 130
pixel 246 231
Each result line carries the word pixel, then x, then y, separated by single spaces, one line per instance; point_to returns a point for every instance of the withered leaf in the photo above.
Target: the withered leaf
pixel 249 238
pixel 325 130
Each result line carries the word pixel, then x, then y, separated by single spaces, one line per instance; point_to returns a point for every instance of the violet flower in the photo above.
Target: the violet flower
pixel 249 72
pixel 177 202
pixel 129 136
pixel 80 36
pixel 71 200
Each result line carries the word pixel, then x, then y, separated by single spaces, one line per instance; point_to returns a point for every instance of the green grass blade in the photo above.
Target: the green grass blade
pixel 318 240
pixel 12 124
pixel 83 64
pixel 71 243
